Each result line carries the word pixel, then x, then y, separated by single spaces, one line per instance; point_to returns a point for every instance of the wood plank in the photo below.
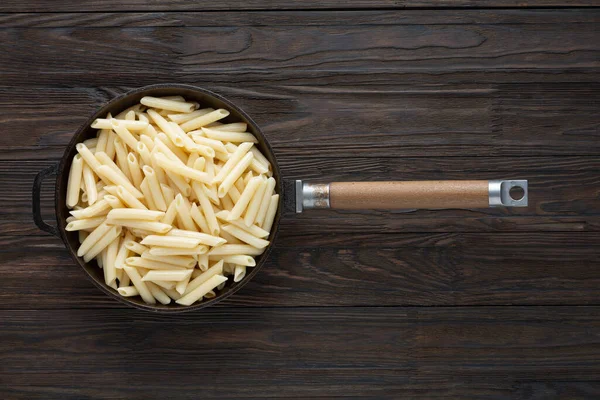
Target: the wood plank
pixel 352 270
pixel 299 353
pixel 292 53
pixel 563 194
pixel 399 120
pixel 11 6
pixel 297 18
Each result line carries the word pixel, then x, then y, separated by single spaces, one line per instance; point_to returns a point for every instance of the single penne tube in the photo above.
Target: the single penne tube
pixel 144 153
pixel 209 240
pixel 123 253
pixel 240 185
pixel 222 157
pixel 198 218
pixel 134 170
pixel 166 127
pixel 165 284
pixel 201 290
pixel 135 214
pixel 258 167
pixel 182 285
pixel 124 133
pixel 154 185
pixel 185 117
pixel 237 259
pixel 140 285
pixel 247 195
pixel 93 238
pixel 87 223
pixel 239 273
pixel 171 213
pixel 145 188
pixel 112 234
pixel 234 249
pixel 234 175
pixel 157 293
pixel 176 168
pixel 75 180
pixel 245 236
pixel 150 226
pixel 227 136
pixel 167 192
pixel 105 172
pixel 202 262
pixel 128 291
pixel 189 144
pixel 147 140
pixel 216 145
pixel 168 148
pixel 167 275
pixel 90 184
pixel 271 212
pixel 151 264
pixel 136 247
pixel 105 160
pixel 100 207
pixel 183 209
pixel 233 127
pixel 88 156
pixel 235 158
pixel 200 278
pixel 172 293
pixel 113 201
pixel 211 192
pixel 181 261
pixel 166 104
pixel 110 146
pixel 70 219
pixel 205 119
pixel 110 271
pixel 123 279
pixel 171 241
pixel 121 154
pixel 128 198
pixel 252 210
pixel 102 140
pixel 214 124
pixel 161 175
pixel 140 233
pixel 252 229
pixel 106 123
pixel 207 210
pixel 260 158
pixel 173 251
pixel 249 175
pixel 199 164
pixel 265 201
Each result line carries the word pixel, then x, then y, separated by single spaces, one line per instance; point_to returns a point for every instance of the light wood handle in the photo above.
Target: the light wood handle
pixel 409 194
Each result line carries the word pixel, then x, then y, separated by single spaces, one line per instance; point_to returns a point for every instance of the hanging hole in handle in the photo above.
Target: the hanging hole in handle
pixel 516 192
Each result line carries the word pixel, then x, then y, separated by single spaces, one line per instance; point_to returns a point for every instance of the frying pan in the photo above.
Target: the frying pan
pixel 295 196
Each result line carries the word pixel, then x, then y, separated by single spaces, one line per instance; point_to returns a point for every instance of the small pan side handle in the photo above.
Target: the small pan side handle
pixel 36 198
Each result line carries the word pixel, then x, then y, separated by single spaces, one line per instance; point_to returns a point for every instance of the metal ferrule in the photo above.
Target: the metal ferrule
pixel 499 192
pixel 311 195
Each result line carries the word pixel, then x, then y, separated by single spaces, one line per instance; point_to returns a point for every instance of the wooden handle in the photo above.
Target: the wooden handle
pixel 410 194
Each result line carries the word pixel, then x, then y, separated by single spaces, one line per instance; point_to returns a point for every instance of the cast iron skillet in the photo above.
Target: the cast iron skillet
pixel 206 99
pixel 298 195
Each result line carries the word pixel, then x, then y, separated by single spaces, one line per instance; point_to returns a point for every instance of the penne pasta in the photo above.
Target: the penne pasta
pixel 167 275
pixel 233 249
pixel 86 223
pixel 271 211
pixel 234 127
pixel 134 170
pixel 110 272
pixel 234 175
pixel 166 104
pixel 252 229
pixel 181 261
pixel 154 185
pixel 158 294
pixel 208 240
pixel 99 208
pixel 74 182
pixel 183 210
pixel 171 241
pixel 135 214
pixel 198 218
pixel 151 264
pixel 205 119
pixel 228 136
pixel 101 244
pixel 135 247
pixel 237 259
pixel 129 199
pixel 247 195
pixel 140 285
pixel 181 118
pixel 107 123
pixel 128 291
pixel 265 201
pixel 150 226
pixel 201 290
pixel 180 169
pixel 254 205
pixel 239 273
pixel 173 251
pixel 207 210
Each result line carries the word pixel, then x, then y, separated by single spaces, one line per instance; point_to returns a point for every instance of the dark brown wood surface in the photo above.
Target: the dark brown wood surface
pixel 481 304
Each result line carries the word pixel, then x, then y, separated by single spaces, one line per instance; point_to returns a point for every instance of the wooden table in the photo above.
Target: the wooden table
pixel 492 304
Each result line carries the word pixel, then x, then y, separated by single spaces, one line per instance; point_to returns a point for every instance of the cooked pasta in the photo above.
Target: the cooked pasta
pixel 173 201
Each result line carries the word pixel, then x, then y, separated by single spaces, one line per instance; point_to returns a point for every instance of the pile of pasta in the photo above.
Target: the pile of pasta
pixel 170 202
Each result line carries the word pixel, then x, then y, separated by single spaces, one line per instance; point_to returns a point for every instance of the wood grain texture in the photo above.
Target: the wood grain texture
pixel 478 304
pixel 352 270
pixel 375 351
pixel 174 5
